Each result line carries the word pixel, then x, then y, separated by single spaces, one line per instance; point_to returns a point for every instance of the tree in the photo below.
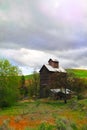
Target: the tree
pixel 22 81
pixel 76 84
pixel 34 85
pixel 9 83
pixel 59 80
pixel 80 87
pixel 23 87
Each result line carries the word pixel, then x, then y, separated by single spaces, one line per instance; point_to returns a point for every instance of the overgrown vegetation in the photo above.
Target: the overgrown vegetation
pixel 45 115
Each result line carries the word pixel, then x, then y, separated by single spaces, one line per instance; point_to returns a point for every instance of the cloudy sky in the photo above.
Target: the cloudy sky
pixel 32 31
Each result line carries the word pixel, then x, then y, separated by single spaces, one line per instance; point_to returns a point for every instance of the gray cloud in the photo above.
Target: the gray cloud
pixel 35 59
pixel 46 28
pixel 41 39
pixel 27 26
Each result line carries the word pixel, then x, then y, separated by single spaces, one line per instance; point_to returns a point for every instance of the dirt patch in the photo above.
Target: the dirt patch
pixel 20 123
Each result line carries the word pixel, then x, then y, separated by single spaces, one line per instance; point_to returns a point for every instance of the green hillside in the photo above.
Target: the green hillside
pixel 31 76
pixel 78 72
pixel 27 77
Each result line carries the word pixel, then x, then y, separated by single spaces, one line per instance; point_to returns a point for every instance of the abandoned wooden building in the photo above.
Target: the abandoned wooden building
pixel 52 76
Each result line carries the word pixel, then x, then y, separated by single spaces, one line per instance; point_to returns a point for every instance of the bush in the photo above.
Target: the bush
pixel 84 127
pixel 45 126
pixel 64 124
pixel 80 96
pixel 60 125
pixel 73 126
pixel 73 104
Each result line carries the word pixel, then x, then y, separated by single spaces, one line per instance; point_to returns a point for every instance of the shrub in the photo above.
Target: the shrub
pixel 80 96
pixel 45 126
pixel 84 127
pixel 60 125
pixel 73 126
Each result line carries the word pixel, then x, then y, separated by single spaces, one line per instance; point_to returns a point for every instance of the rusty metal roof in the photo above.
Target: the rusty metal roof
pixel 68 91
pixel 50 68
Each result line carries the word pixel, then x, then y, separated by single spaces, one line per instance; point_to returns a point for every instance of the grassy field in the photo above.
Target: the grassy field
pixel 78 72
pixel 45 115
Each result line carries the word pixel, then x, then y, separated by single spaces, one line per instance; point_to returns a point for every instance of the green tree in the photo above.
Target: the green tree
pixel 59 80
pixel 34 86
pixel 78 85
pixel 71 79
pixel 9 83
pixel 23 88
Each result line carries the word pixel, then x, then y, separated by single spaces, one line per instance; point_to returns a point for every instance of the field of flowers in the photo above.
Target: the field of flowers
pixel 45 115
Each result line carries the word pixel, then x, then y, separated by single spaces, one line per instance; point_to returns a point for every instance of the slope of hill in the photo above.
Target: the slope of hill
pixel 80 73
pixel 28 77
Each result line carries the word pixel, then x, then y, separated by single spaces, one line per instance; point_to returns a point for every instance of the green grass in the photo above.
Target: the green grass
pixel 78 72
pixel 32 107
pixel 38 105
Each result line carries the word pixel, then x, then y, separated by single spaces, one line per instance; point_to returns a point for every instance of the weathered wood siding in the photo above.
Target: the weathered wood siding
pixel 47 80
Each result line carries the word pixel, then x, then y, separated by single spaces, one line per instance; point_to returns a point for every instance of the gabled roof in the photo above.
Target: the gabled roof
pixel 50 68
